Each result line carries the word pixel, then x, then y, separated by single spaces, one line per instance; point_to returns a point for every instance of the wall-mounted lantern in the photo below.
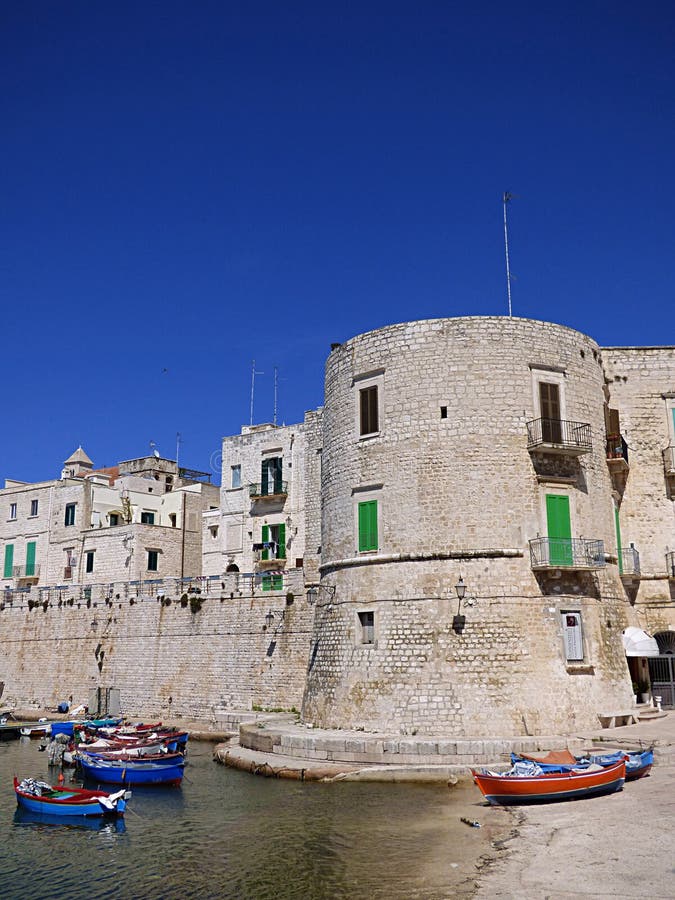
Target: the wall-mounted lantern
pixel 458 620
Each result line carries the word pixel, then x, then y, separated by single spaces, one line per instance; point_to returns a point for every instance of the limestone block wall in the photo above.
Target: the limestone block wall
pixel 164 659
pixel 641 383
pixel 458 493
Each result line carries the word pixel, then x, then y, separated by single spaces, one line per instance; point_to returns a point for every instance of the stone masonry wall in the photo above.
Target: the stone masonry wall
pixel 164 659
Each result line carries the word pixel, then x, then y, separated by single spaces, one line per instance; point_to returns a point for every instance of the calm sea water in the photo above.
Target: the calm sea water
pixel 227 834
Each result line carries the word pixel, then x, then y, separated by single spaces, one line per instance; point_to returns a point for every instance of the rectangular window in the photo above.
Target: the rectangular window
pixel 172 520
pixel 368 525
pixel 114 518
pixel 271 476
pixel 549 403
pixel 9 560
pixel 272 582
pixel 12 510
pixel 235 481
pixel 367 623
pixel 69 518
pixel 89 561
pixel 147 518
pixel 30 559
pixel 274 541
pixel 34 504
pixel 572 636
pixel 369 422
pixel 153 560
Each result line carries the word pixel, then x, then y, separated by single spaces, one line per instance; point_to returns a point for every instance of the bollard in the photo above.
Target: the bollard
pixel 657 700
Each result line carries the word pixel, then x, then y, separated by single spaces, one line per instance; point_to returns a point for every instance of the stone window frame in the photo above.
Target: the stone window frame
pixel 361 383
pixel 670 412
pixel 12 512
pixel 34 508
pixel 548 375
pixel 552 487
pixel 366 629
pixel 70 515
pixel 150 558
pixel 89 556
pixel 363 495
pixel 148 514
pixel 235 476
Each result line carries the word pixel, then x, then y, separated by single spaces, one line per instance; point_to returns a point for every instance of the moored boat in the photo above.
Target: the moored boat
pixel 638 762
pixel 131 771
pixel 510 788
pixel 38 797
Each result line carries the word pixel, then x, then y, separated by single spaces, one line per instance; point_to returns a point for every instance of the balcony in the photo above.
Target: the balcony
pixel 566 553
pixel 559 436
pixel 617 452
pixel 273 490
pixel 670 563
pixel 629 563
pixel 30 571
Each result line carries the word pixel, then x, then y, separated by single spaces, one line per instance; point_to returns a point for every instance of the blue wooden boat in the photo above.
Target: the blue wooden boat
pixel 68 727
pixel 162 759
pixel 41 798
pixel 638 762
pixel 131 771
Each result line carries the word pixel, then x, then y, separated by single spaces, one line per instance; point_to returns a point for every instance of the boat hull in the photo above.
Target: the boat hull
pixel 125 773
pixel 510 790
pixel 67 803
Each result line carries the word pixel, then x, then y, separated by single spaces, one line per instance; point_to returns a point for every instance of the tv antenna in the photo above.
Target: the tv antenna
pixel 276 382
pixel 253 374
pixel 178 443
pixel 507 196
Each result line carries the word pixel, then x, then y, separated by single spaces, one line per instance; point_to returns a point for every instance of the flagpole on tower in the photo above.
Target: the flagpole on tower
pixel 506 197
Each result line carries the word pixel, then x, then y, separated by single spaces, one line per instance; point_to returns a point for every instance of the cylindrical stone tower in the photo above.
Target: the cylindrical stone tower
pixel 469 448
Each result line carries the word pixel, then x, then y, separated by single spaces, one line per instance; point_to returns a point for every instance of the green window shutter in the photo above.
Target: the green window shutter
pixel 559 529
pixel 278 473
pixel 264 478
pixel 267 582
pixel 281 551
pixel 9 560
pixel 277 582
pixel 265 539
pixel 368 525
pixel 30 558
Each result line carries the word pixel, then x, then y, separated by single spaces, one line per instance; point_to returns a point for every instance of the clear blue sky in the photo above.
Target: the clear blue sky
pixel 190 186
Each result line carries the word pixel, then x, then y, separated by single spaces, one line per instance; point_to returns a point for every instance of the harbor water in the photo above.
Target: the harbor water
pixel 228 834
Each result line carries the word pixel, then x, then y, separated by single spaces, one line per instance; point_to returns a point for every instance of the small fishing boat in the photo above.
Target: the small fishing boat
pixel 39 797
pixel 163 759
pixel 38 729
pixel 131 771
pixel 512 787
pixel 638 762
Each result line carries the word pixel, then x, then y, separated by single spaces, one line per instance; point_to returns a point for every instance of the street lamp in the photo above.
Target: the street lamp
pixel 458 621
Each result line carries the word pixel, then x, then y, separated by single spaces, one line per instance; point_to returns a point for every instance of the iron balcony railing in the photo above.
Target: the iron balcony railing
pixel 629 561
pixel 560 435
pixel 617 448
pixel 566 553
pixel 669 460
pixel 670 563
pixel 31 570
pixel 271 489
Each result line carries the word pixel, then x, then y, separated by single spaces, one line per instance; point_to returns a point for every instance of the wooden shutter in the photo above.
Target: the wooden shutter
pixel 9 560
pixel 559 529
pixel 265 540
pixel 30 558
pixel 281 549
pixel 264 478
pixel 277 468
pixel 618 538
pixel 368 525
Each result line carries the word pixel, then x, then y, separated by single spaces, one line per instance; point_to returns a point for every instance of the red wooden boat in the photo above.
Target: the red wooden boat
pixel 507 790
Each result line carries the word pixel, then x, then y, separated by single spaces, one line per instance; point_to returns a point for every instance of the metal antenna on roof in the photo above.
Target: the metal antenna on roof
pixel 178 443
pixel 253 374
pixel 275 394
pixel 506 198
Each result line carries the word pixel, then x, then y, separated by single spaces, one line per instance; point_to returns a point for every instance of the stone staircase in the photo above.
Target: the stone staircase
pixel 647 712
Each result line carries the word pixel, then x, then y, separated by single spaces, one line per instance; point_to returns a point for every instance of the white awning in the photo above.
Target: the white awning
pixel 637 642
